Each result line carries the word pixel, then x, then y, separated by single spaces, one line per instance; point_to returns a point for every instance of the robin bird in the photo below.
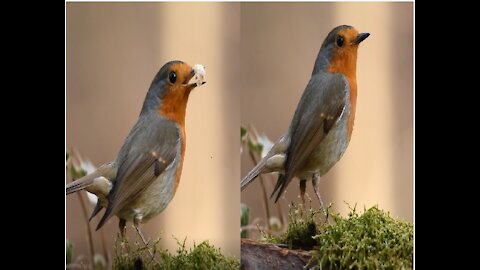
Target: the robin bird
pixel 143 179
pixel 323 122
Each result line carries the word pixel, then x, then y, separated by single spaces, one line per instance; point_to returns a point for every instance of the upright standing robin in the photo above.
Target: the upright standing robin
pixel 323 122
pixel 143 179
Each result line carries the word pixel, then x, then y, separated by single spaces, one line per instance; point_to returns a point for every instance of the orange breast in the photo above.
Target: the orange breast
pixel 174 104
pixel 173 107
pixel 353 106
pixel 178 173
pixel 346 65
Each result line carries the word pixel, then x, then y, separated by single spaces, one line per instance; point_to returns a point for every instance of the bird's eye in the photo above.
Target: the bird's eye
pixel 340 41
pixel 172 77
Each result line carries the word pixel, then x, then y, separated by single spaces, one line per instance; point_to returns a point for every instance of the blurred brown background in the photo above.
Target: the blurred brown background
pixel 113 52
pixel 279 44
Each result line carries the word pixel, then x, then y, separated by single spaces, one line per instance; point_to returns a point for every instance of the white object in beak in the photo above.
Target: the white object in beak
pixel 200 74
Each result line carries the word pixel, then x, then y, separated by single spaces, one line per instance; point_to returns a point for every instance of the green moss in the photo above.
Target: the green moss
pixel 302 227
pixel 372 240
pixel 202 256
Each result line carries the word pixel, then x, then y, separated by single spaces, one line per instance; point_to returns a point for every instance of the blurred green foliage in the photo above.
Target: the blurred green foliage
pixel 244 219
pixel 68 251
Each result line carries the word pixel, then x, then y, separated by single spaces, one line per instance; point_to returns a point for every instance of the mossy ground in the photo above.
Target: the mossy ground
pixel 371 240
pixel 202 256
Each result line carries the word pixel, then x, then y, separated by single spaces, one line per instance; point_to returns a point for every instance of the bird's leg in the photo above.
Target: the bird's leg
pixel 303 187
pixel 315 182
pixel 136 224
pixel 123 228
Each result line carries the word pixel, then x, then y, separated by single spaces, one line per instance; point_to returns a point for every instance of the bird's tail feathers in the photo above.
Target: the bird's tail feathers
pixel 82 183
pixel 106 216
pixel 97 209
pixel 282 183
pixel 253 174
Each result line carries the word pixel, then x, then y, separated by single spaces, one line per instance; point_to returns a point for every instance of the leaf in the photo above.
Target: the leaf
pixel 244 214
pixel 254 147
pixel 244 217
pixel 243 132
pixel 266 144
pixel 77 173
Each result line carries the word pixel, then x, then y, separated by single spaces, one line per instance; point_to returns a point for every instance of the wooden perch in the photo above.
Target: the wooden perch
pixel 257 255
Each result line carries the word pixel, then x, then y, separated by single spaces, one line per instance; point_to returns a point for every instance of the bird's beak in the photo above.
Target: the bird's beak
pixel 196 77
pixel 361 37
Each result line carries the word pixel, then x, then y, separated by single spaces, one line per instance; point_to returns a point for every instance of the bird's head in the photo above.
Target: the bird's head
pixel 339 50
pixel 171 87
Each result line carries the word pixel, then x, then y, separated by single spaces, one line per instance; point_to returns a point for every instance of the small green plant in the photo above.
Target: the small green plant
pixel 202 256
pixel 302 227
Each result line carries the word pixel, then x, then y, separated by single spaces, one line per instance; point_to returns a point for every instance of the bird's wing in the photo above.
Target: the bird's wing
pixel 147 152
pixel 320 107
